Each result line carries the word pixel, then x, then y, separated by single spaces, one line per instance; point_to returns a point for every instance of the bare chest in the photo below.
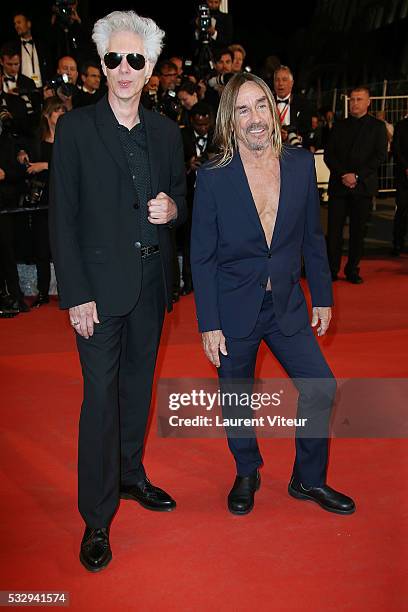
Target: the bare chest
pixel 264 184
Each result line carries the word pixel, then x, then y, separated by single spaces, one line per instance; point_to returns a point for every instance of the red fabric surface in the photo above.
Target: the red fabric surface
pixel 285 555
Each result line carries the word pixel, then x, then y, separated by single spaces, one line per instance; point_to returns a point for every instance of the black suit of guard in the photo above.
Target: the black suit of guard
pixel 96 235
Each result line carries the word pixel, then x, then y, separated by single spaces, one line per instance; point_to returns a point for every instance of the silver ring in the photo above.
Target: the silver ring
pixel 76 322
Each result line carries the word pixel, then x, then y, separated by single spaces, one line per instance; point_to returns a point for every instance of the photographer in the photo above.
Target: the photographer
pixel 294 111
pixel 168 102
pixel 11 182
pixel 198 148
pixel 219 30
pixel 70 35
pixel 64 85
pixel 37 167
pixel 188 97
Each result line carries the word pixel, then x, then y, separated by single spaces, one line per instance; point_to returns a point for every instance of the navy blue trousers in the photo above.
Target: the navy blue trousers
pixel 301 357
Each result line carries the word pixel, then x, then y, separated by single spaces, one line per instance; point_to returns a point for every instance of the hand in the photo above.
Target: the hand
pixel 211 30
pixel 22 157
pixel 83 317
pixel 194 163
pixel 74 16
pixel 2 174
pixel 36 167
pixel 324 313
pixel 162 209
pixel 213 343
pixel 349 180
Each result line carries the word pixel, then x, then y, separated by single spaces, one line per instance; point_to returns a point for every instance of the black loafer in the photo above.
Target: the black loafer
pixel 40 300
pixel 148 496
pixel 95 549
pixel 241 497
pixel 325 496
pixel 355 279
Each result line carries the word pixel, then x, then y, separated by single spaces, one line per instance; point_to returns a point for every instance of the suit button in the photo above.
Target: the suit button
pixel 138 245
pixel 263 285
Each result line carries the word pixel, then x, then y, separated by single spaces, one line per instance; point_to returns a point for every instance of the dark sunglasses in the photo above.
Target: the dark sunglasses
pixel 135 60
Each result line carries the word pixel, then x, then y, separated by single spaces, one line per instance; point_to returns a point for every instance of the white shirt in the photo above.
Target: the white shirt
pixel 30 66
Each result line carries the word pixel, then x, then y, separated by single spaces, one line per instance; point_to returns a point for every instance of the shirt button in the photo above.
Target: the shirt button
pixel 131 154
pixel 138 245
pixel 133 176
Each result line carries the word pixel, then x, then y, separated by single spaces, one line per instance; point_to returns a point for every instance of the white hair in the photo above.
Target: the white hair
pixel 128 21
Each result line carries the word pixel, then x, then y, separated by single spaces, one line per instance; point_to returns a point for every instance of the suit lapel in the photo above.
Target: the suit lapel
pixel 108 131
pixel 286 184
pixel 239 182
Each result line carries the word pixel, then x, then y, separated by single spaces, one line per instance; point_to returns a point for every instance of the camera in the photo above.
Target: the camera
pixel 294 139
pixel 63 10
pixel 204 22
pixel 170 105
pixel 34 191
pixel 220 79
pixel 61 82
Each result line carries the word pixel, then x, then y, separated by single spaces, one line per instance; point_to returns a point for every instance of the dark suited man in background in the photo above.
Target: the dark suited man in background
pixel 400 149
pixel 118 183
pixel 356 148
pixel 256 213
pixel 221 28
pixel 197 143
pixel 35 57
pixel 295 112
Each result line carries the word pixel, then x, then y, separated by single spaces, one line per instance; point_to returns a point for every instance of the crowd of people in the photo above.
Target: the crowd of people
pixel 35 90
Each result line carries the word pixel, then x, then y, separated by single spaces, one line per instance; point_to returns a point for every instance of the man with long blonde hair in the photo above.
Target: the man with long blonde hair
pixel 255 214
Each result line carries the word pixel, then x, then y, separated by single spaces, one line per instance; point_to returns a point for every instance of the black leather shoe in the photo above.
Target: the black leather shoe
pixel 355 279
pixel 40 300
pixel 241 496
pixel 95 549
pixel 21 306
pixel 148 496
pixel 325 496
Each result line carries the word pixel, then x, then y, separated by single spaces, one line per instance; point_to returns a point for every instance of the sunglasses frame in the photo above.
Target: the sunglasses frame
pixel 137 57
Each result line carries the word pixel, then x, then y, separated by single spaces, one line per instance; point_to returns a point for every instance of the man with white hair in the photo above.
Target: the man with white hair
pixel 117 187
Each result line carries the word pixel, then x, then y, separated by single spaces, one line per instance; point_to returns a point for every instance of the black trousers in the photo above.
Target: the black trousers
pixel 401 215
pixel 301 357
pixel 118 364
pixel 358 210
pixel 41 249
pixel 8 265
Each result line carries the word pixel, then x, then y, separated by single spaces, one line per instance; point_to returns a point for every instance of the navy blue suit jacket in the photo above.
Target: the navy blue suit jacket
pixel 231 260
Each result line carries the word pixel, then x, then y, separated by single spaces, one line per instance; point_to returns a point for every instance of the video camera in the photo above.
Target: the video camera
pixel 204 23
pixel 63 11
pixel 61 82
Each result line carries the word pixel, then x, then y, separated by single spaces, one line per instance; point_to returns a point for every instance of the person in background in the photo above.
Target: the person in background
pixel 188 97
pixel 198 148
pixel 90 91
pixel 356 149
pixel 295 112
pixel 37 163
pixel 35 57
pixel 178 62
pixel 328 123
pixel 313 139
pixel 239 55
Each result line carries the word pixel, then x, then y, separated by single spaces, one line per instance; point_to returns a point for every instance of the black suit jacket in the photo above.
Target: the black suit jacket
pixel 45 62
pixel 94 227
pixel 359 148
pixel 300 114
pixel 189 145
pixel 400 150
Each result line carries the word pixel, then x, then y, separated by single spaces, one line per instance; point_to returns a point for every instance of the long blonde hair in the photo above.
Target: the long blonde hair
pixel 224 134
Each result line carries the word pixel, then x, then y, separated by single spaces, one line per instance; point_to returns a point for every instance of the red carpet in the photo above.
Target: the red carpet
pixel 285 555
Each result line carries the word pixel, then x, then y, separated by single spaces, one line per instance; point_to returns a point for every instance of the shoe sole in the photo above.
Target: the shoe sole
pixel 304 497
pixel 92 569
pixel 243 512
pixel 126 496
